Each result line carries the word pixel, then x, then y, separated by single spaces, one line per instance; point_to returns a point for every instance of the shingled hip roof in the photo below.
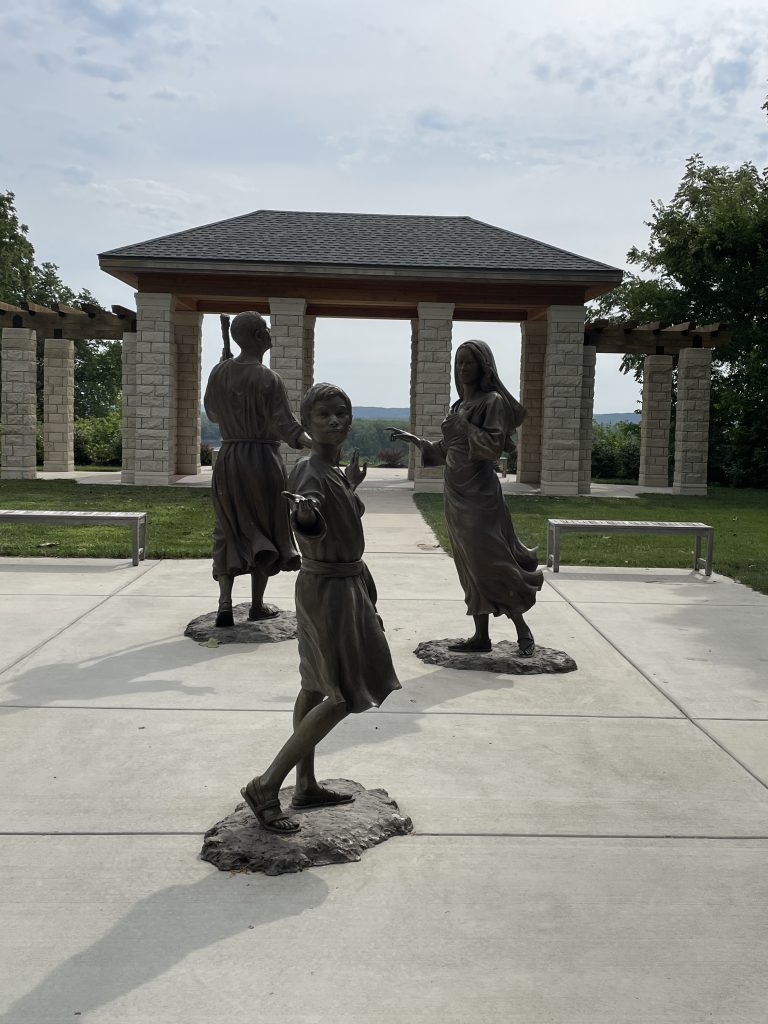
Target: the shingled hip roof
pixel 361 240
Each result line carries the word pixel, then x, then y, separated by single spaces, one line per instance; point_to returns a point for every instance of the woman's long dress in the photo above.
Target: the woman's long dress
pixel 343 652
pixel 498 574
pixel 252 530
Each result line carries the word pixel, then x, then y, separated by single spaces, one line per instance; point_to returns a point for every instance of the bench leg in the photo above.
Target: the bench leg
pixel 135 542
pixel 697 553
pixel 143 539
pixel 555 549
pixel 710 547
pixel 549 545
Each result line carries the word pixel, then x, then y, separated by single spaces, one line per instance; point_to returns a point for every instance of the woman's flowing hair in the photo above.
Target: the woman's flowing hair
pixel 490 381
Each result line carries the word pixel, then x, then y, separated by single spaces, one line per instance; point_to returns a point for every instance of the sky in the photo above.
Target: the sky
pixel 559 120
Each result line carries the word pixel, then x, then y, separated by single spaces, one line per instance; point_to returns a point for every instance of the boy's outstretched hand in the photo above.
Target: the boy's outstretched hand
pixel 304 508
pixel 354 473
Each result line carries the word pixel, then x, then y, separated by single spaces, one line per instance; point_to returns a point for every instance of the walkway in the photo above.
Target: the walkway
pixel 589 847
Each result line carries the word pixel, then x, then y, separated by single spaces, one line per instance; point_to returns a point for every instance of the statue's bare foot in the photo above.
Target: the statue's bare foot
pixel 474 644
pixel 264 611
pixel 267 809
pixel 224 616
pixel 526 645
pixel 318 796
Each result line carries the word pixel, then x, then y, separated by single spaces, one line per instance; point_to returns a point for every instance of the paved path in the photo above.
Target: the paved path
pixel 589 847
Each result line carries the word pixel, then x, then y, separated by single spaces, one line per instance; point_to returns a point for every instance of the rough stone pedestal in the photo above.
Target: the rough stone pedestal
pixel 328 835
pixel 261 631
pixel 503 657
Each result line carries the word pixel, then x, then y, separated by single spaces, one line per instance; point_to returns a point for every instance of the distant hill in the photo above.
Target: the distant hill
pixel 616 417
pixel 380 412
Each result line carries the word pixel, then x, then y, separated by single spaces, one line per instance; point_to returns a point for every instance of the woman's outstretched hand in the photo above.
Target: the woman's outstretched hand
pixel 403 435
pixel 305 509
pixel 354 473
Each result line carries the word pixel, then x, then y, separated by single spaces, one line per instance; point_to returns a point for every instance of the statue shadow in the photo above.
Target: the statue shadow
pixel 160 931
pixel 116 674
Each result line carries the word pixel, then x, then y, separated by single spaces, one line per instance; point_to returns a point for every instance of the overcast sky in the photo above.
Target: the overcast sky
pixel 559 120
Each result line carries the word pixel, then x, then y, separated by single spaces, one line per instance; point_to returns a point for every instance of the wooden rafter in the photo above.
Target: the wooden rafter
pixel 659 336
pixel 62 321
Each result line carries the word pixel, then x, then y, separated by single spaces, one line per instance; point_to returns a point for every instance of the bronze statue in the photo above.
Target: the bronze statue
pixel 344 660
pixel 252 532
pixel 499 575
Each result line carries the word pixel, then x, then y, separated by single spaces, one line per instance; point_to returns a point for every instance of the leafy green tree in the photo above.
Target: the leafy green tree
pixel 708 252
pixel 97 363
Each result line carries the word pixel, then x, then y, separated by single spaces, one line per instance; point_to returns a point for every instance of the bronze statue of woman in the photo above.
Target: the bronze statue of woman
pixel 499 575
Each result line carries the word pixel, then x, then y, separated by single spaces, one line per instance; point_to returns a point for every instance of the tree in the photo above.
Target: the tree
pixel 97 363
pixel 17 254
pixel 708 250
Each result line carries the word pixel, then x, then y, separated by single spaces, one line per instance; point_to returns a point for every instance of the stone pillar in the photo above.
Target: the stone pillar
pixel 587 415
pixel 18 381
pixel 59 405
pixel 155 389
pixel 413 452
pixel 692 421
pixel 287 327
pixel 188 338
pixel 655 422
pixel 433 382
pixel 561 429
pixel 127 474
pixel 532 353
pixel 308 353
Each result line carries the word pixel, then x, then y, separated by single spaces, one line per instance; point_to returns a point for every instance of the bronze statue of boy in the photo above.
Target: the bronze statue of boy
pixel 344 660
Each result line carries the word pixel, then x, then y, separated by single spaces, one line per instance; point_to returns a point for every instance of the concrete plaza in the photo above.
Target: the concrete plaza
pixel 588 847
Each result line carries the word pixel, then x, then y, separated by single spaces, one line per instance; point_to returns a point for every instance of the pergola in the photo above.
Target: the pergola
pixel 430 271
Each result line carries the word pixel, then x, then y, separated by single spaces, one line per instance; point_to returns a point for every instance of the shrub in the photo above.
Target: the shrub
pixel 206 455
pixel 616 451
pixel 98 440
pixel 391 458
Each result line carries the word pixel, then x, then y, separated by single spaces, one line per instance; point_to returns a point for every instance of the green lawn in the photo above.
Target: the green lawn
pixel 180 523
pixel 179 520
pixel 740 519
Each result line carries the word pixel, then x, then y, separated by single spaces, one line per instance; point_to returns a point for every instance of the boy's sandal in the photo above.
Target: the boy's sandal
pixel 326 798
pixel 268 812
pixel 526 646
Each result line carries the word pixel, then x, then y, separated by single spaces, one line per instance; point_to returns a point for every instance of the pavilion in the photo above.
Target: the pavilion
pixel 296 267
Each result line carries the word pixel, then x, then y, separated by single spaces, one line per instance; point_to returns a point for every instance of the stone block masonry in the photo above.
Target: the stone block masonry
pixel 694 382
pixel 18 384
pixel 655 424
pixel 188 339
pixel 59 405
pixel 532 355
pixel 127 474
pixel 292 341
pixel 587 414
pixel 433 378
pixel 561 442
pixel 156 407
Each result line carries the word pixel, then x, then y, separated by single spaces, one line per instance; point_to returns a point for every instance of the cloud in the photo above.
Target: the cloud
pixel 119 97
pixel 731 75
pixel 97 69
pixel 173 96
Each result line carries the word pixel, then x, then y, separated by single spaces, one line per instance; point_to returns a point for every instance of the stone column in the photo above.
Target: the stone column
pixel 188 338
pixel 59 405
pixel 692 421
pixel 155 389
pixel 587 415
pixel 655 422
pixel 287 327
pixel 128 470
pixel 433 382
pixel 18 421
pixel 413 453
pixel 308 353
pixel 561 429
pixel 18 383
pixel 532 353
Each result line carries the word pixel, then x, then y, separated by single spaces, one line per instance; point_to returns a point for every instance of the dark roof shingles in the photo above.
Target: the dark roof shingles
pixel 352 239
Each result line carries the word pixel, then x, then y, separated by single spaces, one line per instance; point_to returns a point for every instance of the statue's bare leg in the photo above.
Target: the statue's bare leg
pixel 262 792
pixel 309 792
pixel 525 642
pixel 258 609
pixel 479 641
pixel 224 615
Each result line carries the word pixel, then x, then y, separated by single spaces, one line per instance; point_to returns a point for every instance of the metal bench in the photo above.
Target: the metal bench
pixel 136 520
pixel 555 527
